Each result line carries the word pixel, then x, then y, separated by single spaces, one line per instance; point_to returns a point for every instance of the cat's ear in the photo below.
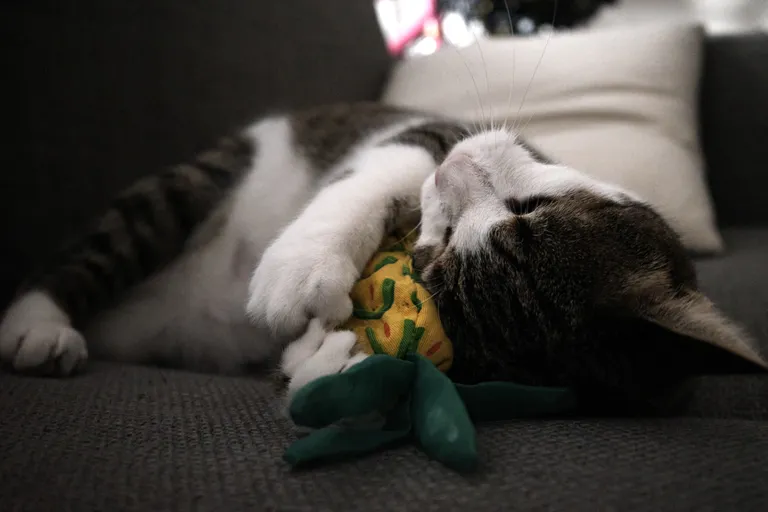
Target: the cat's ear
pixel 694 317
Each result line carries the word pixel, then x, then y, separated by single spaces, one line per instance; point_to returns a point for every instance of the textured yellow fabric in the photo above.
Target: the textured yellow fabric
pixel 394 314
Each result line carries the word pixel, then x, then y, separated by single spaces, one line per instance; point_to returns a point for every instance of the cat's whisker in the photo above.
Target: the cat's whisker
pixel 525 126
pixel 405 237
pixel 487 83
pixel 538 64
pixel 473 125
pixel 477 90
pixel 512 84
pixel 433 296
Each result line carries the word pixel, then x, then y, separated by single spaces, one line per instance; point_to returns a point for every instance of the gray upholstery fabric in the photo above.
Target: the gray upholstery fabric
pixel 734 126
pixel 132 438
pixel 737 281
pixel 728 396
pixel 101 92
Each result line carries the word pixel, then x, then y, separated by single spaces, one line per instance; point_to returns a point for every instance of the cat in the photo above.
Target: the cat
pixel 541 274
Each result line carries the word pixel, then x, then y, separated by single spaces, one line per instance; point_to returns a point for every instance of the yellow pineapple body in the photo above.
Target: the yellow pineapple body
pixel 394 314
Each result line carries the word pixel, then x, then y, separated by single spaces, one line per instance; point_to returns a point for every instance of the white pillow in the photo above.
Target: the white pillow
pixel 619 104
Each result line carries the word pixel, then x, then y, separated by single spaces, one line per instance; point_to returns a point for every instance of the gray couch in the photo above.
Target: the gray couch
pixel 103 92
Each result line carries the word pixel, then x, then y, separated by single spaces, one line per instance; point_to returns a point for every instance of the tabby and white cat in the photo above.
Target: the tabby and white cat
pixel 541 274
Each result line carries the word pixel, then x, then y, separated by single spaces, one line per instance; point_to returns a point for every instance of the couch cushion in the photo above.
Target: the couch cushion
pixel 133 438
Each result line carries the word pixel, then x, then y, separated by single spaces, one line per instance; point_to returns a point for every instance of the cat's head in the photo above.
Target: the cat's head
pixel 544 275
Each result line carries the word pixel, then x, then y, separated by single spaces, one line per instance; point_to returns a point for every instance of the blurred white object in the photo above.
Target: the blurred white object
pixel 456 30
pixel 729 16
pixel 460 32
pixel 717 16
pixel 422 47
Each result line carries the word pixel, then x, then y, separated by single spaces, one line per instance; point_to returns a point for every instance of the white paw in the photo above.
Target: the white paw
pixel 50 350
pixel 317 354
pixel 298 279
pixel 35 336
pixel 298 352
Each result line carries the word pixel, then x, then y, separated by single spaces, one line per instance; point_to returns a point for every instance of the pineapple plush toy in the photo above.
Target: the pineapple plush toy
pixel 401 392
pixel 393 312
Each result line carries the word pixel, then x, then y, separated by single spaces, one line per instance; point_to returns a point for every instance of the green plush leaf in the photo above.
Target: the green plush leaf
pixel 440 421
pixel 337 442
pixel 490 401
pixel 375 384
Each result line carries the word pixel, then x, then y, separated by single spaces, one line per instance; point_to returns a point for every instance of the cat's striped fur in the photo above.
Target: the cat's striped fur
pixel 185 210
pixel 146 227
pixel 252 248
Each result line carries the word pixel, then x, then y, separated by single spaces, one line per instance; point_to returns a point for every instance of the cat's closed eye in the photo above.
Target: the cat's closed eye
pixel 447 235
pixel 525 206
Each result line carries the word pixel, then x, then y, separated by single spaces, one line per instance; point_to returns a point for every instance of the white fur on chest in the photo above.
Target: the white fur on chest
pixel 193 312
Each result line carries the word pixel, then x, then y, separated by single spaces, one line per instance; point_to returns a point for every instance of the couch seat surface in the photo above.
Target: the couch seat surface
pixel 137 438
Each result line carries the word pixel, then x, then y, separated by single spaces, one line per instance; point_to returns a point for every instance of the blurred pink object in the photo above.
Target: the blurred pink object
pixel 405 21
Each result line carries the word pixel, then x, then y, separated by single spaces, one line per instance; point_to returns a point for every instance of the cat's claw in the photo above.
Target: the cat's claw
pixel 298 280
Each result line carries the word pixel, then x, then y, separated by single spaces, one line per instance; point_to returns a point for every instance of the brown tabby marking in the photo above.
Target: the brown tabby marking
pixel 326 134
pixel 437 137
pixel 146 227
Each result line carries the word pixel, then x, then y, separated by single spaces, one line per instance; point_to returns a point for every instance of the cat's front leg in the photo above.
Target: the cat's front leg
pixel 309 270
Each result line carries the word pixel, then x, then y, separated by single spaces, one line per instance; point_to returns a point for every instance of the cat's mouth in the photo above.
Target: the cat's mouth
pixel 423 257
